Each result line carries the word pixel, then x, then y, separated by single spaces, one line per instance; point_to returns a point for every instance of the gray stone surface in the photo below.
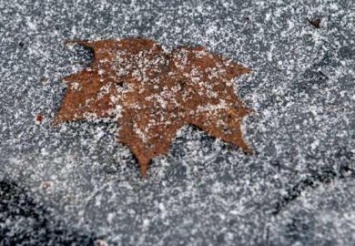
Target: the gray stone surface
pixel 298 187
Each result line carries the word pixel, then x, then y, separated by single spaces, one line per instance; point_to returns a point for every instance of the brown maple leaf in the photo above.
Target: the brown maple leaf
pixel 152 94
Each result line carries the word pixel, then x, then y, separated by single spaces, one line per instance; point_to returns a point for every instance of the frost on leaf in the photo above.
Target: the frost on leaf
pixel 152 94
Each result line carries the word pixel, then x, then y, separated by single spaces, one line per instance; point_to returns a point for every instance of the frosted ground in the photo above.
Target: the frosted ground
pixel 75 183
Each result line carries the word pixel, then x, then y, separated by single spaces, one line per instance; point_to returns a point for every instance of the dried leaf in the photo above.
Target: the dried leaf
pixel 152 94
pixel 315 22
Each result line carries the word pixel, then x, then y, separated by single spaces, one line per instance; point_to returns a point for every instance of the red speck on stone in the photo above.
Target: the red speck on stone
pixel 39 118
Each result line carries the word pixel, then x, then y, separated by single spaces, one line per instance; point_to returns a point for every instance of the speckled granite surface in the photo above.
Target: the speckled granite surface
pixel 76 184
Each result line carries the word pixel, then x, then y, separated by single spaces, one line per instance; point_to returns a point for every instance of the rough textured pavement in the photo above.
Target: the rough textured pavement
pixel 76 184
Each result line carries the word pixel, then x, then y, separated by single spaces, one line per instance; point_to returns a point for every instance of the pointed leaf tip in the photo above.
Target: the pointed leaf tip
pixel 144 169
